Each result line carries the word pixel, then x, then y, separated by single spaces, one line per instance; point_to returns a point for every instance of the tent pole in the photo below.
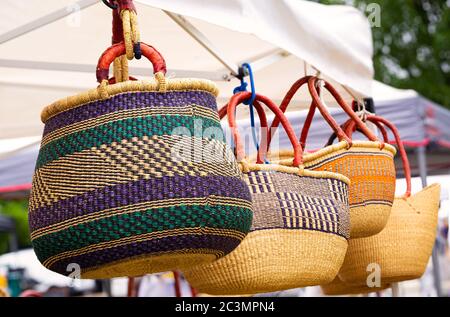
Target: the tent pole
pixel 44 20
pixel 203 41
pixel 87 68
pixel 422 162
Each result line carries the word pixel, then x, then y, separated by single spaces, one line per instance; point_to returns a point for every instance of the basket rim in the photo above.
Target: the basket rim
pixel 245 166
pixel 103 92
pixel 309 157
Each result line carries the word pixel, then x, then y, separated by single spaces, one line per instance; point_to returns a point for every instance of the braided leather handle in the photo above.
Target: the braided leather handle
pixel 406 167
pixel 241 97
pixel 263 122
pixel 158 62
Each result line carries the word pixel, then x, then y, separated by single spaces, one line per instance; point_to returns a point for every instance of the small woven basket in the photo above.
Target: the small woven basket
pixel 128 182
pixel 368 164
pixel 403 248
pixel 300 226
pixel 339 288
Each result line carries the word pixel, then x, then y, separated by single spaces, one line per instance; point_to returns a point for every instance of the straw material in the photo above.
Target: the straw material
pixel 371 171
pixel 298 237
pixel 3 293
pixel 338 288
pixel 117 192
pixel 403 248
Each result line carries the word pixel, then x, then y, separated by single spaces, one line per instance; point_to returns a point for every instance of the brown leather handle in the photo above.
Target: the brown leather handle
pixel 241 97
pixel 349 132
pixel 406 167
pixel 262 120
pixel 158 62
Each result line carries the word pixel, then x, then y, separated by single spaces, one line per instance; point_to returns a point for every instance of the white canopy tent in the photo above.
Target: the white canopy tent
pixel 48 48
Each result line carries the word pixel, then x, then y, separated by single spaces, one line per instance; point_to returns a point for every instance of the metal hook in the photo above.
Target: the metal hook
pixel 111 4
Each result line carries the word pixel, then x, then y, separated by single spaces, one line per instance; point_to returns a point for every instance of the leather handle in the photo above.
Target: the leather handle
pixel 312 86
pixel 350 130
pixel 116 50
pixel 285 104
pixel 341 102
pixel 117 27
pixel 262 120
pixel 240 98
pixel 406 167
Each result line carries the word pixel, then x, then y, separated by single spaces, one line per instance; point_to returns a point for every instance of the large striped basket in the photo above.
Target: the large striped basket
pixel 300 226
pixel 402 250
pixel 135 178
pixel 368 164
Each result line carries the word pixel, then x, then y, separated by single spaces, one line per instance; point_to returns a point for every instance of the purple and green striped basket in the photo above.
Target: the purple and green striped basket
pixel 112 195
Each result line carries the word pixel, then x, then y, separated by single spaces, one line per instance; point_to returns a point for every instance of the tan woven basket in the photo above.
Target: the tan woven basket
pixel 338 288
pixel 403 248
pixel 368 164
pixel 299 232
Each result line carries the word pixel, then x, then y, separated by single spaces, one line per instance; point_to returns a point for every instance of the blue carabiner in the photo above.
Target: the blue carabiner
pixel 251 100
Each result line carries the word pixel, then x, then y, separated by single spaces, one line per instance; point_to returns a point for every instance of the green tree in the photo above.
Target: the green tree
pixel 17 210
pixel 412 45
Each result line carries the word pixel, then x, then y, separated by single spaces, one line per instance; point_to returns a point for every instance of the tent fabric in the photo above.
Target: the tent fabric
pixel 319 34
pixel 242 31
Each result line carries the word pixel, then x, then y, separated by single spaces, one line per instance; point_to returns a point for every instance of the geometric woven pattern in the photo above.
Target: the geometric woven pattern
pixel 289 201
pixel 134 177
pixel 372 174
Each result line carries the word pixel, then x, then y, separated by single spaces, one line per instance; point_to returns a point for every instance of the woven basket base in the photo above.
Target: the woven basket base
pixel 366 221
pixel 403 248
pixel 148 264
pixel 337 287
pixel 272 260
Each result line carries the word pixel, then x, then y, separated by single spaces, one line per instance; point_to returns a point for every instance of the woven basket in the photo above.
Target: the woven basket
pixel 300 226
pixel 368 164
pixel 130 180
pixel 338 288
pixel 403 248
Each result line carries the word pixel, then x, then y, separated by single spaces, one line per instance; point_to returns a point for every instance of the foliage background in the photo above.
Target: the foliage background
pixel 412 45
pixel 16 209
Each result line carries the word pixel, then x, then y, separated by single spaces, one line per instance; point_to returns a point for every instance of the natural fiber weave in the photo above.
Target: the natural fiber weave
pixel 337 288
pixel 119 193
pixel 298 237
pixel 404 247
pixel 3 293
pixel 371 172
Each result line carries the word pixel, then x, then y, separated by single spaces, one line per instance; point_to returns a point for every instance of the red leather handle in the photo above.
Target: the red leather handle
pixel 285 104
pixel 117 27
pixel 312 82
pixel 241 97
pixel 158 62
pixel 318 103
pixel 350 130
pixel 406 167
pixel 263 122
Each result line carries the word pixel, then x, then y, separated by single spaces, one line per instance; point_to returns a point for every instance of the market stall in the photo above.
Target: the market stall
pixel 213 41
